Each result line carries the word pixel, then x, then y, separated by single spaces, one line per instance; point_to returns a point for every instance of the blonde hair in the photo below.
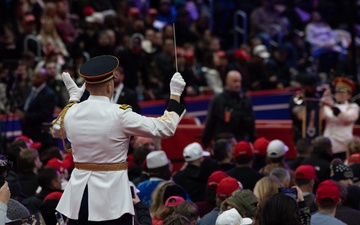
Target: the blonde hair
pixel 26 159
pixel 157 198
pixel 265 188
pixel 353 146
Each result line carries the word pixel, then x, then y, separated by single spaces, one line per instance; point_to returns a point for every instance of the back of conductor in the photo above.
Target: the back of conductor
pixel 99 132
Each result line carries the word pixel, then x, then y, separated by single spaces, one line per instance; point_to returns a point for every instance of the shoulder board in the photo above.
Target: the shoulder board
pixel 124 106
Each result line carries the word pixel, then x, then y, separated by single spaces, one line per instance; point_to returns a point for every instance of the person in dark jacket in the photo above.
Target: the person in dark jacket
pixel 38 110
pixel 50 181
pixel 190 178
pixel 230 111
pixel 243 172
pixel 320 159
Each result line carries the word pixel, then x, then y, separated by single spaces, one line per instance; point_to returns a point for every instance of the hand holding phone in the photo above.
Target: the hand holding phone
pixel 292 192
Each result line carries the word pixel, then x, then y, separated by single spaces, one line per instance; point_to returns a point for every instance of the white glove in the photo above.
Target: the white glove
pixel 74 91
pixel 177 84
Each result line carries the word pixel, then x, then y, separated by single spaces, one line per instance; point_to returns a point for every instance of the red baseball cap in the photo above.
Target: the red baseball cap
pixel 88 11
pixel 68 162
pixel 354 158
pixel 174 201
pixel 133 11
pixel 243 149
pixel 56 163
pixel 221 54
pixel 226 187
pixel 305 172
pixel 215 178
pixel 53 195
pixel 29 142
pixel 152 11
pixel 328 193
pixel 241 54
pixel 260 146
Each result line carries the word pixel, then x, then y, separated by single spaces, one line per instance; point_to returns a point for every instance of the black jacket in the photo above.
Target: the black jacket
pixel 242 120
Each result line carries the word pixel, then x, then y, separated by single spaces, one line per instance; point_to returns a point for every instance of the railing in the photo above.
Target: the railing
pixel 38 46
pixel 240 30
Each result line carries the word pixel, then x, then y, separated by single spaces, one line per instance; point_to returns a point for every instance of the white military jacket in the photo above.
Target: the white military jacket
pixel 99 132
pixel 340 128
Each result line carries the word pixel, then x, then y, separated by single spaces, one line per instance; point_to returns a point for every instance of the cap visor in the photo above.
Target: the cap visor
pixel 265 55
pixel 205 153
pixel 36 145
pixel 246 221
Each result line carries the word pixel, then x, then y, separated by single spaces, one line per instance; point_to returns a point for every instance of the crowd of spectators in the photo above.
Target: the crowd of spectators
pixel 286 38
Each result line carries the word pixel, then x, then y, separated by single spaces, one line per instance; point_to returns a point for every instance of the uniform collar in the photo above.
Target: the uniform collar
pixel 99 98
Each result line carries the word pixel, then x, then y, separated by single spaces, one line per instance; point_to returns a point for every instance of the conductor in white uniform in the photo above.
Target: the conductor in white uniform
pixel 99 132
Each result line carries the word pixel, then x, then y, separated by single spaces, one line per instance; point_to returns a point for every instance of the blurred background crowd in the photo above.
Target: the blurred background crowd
pixel 270 42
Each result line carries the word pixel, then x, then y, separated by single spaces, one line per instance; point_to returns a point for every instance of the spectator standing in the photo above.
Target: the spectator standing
pixel 283 209
pixel 38 110
pixel 55 83
pixel 320 159
pixel 50 181
pixel 243 172
pixel 345 213
pixel 352 148
pixel 189 210
pixel 327 198
pixel 305 176
pixel 276 151
pixel 304 149
pixel 189 178
pixel 231 111
pixel 223 153
pixel 210 193
pixel 27 166
pixel 282 175
pixel 224 190
pixel 122 93
pixel 169 207
pixel 158 168
pixel 260 146
pixel 341 173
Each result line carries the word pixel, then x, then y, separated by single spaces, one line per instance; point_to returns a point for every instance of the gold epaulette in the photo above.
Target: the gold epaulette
pixel 125 106
pixel 61 116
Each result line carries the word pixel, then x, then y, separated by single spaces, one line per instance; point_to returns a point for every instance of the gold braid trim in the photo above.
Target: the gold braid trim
pixel 61 116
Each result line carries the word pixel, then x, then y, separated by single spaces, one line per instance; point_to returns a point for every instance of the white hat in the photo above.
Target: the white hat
pixel 96 17
pixel 232 217
pixel 261 51
pixel 276 148
pixel 156 159
pixel 193 152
